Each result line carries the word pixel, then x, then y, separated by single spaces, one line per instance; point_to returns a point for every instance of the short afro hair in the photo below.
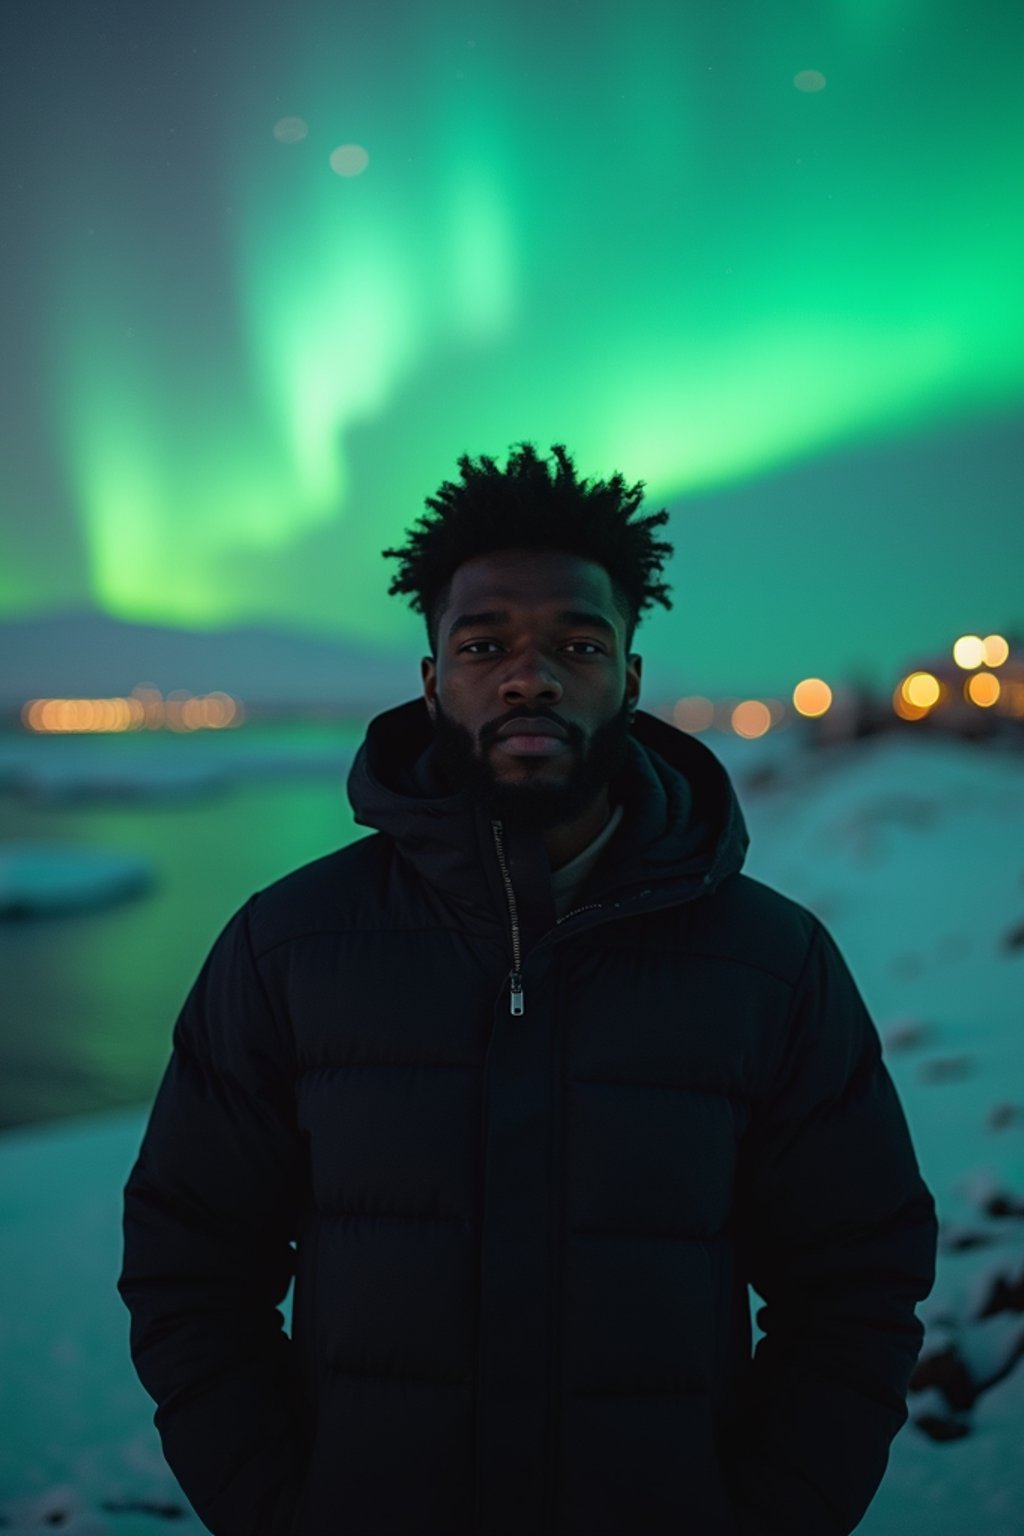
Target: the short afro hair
pixel 522 506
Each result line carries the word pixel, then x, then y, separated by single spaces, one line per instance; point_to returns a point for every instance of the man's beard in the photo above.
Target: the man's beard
pixel 532 803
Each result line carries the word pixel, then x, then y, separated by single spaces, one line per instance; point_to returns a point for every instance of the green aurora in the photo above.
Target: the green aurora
pixel 626 229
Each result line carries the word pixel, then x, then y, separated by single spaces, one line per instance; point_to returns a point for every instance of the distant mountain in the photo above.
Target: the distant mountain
pixel 89 655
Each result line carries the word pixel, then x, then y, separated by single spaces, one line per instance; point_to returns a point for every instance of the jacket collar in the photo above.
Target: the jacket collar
pixel 682 825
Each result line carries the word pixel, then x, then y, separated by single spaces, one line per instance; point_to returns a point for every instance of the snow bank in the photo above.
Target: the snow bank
pixel 78 1434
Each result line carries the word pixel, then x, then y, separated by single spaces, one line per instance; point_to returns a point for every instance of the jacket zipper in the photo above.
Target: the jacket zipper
pixel 516 1003
pixel 516 975
pixel 587 908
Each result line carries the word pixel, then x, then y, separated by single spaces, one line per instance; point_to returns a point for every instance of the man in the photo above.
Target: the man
pixel 536 1080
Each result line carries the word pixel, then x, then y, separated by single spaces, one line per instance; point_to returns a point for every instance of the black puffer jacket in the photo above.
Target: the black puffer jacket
pixel 522 1242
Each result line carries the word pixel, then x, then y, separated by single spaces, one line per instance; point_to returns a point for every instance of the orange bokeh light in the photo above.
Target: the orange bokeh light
pixel 751 718
pixel 812 697
pixel 145 708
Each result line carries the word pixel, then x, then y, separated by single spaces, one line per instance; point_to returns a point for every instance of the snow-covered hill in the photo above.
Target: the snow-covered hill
pixel 90 655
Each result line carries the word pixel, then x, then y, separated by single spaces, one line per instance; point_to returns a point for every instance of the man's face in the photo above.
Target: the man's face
pixel 531 664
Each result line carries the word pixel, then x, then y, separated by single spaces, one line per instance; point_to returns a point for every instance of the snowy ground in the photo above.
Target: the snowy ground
pixel 910 851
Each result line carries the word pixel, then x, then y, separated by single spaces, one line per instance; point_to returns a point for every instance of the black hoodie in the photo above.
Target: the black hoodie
pixel 524 1168
pixel 682 830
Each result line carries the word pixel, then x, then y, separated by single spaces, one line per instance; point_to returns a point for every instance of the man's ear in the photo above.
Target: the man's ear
pixel 636 661
pixel 428 672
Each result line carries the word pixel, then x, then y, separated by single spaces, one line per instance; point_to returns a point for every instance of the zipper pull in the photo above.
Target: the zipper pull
pixel 516 982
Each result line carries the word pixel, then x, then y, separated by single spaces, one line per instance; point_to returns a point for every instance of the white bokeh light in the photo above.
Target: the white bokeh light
pixel 289 130
pixel 349 160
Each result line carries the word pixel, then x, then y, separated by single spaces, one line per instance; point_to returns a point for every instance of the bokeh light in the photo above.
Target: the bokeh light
pixel 904 708
pixel 290 130
pixel 969 651
pixel 144 709
pixel 812 697
pixel 751 718
pixel 694 713
pixel 922 690
pixel 982 689
pixel 996 649
pixel 349 160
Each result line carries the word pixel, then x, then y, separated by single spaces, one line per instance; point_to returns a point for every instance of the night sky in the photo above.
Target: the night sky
pixel 267 271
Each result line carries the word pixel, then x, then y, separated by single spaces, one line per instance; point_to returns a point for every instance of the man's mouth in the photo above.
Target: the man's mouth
pixel 532 746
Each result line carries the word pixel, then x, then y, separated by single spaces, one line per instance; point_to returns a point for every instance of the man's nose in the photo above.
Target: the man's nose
pixel 531 675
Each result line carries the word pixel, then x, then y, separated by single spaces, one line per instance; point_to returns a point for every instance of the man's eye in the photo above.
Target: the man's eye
pixel 592 643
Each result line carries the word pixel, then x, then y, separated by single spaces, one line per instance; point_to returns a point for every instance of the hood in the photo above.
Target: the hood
pixel 682 825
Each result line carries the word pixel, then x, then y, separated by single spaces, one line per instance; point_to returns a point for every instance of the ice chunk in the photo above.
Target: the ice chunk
pixel 37 879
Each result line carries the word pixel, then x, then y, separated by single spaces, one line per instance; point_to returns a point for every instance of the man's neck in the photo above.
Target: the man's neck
pixel 565 842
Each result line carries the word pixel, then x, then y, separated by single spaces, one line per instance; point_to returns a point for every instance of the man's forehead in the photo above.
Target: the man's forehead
pixel 555 579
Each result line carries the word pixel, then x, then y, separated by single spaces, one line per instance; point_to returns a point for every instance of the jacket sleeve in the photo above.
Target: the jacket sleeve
pixel 209 1210
pixel 839 1234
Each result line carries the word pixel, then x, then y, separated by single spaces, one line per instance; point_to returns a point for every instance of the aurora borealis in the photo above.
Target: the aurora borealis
pixel 755 255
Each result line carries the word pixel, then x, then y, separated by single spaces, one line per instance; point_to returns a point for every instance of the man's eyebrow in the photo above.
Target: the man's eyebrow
pixel 494 616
